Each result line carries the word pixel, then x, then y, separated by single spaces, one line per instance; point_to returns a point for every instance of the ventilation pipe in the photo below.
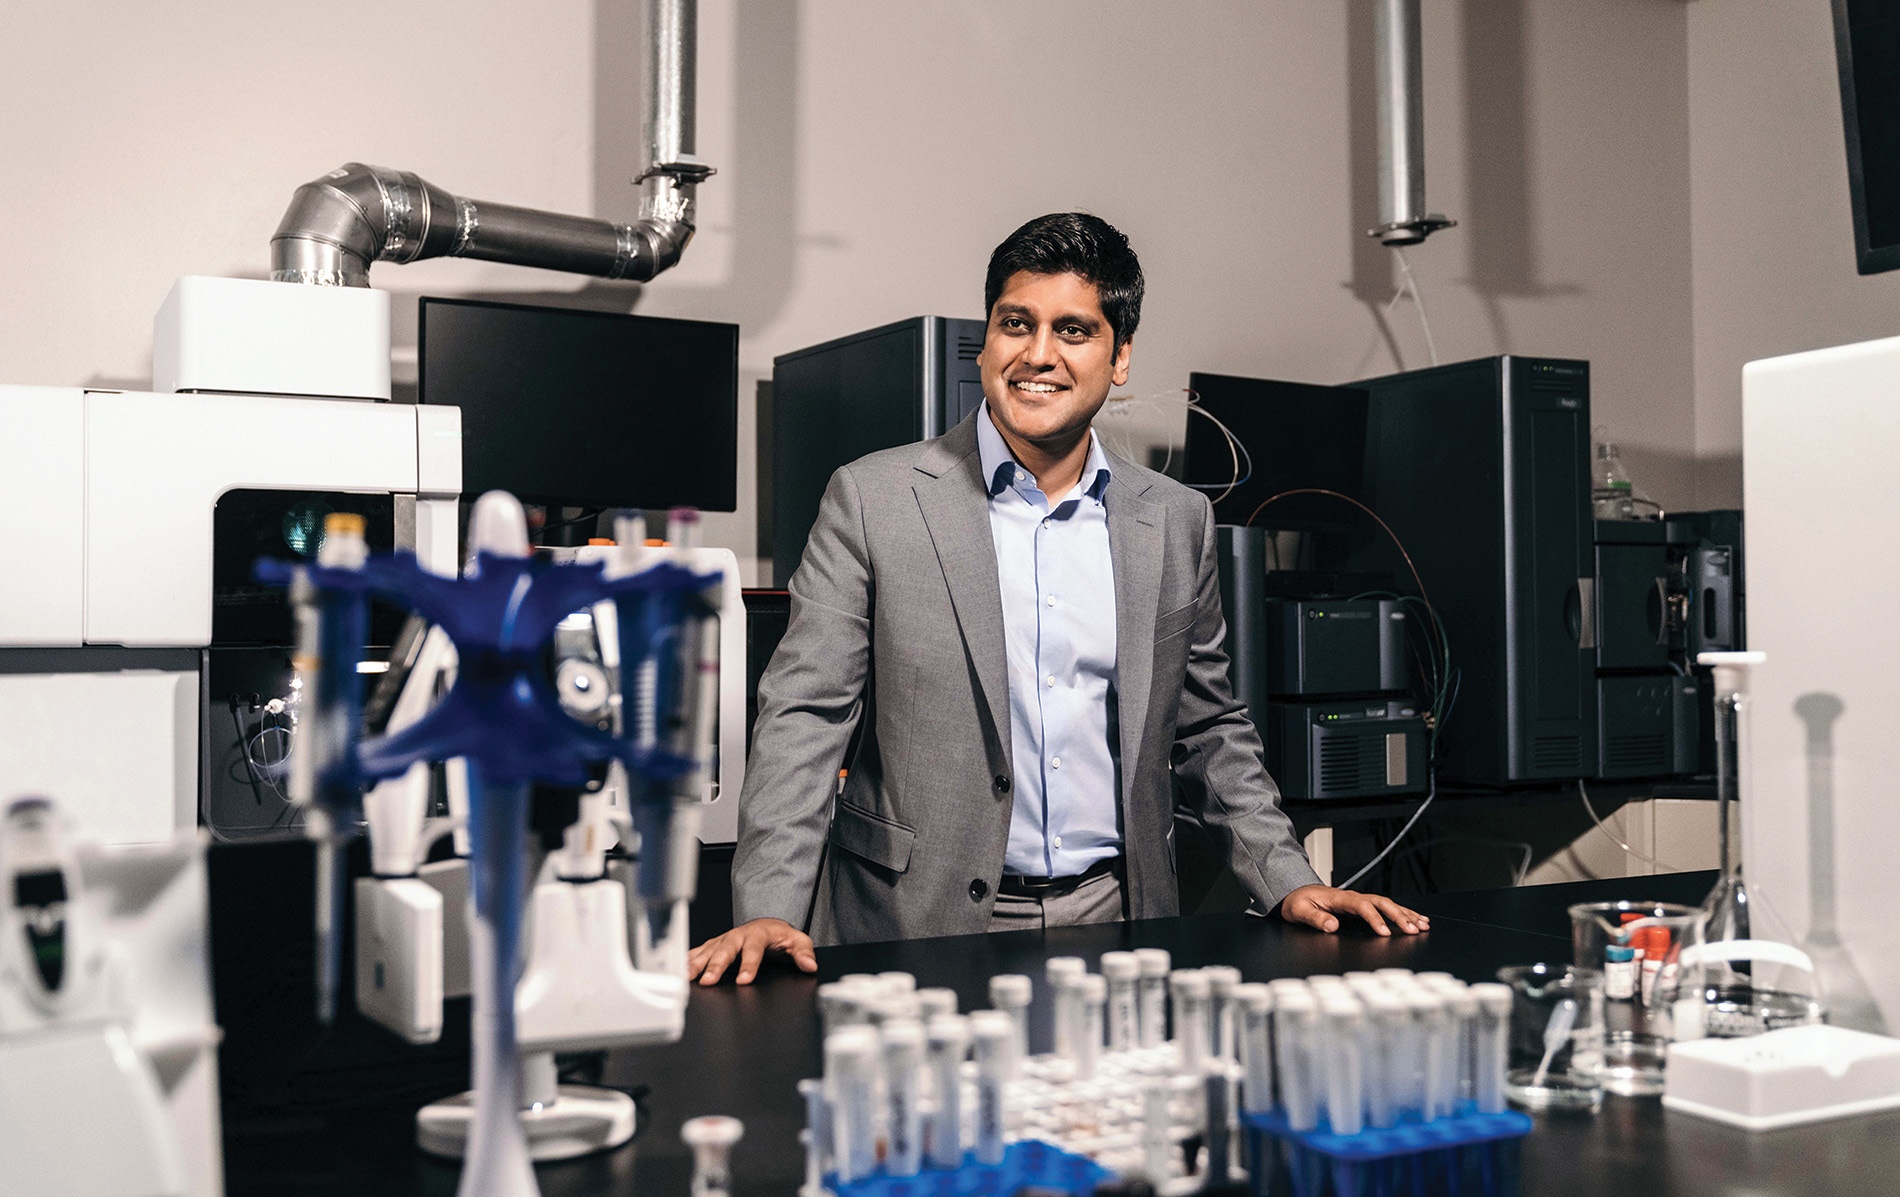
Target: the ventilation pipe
pixel 339 224
pixel 1403 217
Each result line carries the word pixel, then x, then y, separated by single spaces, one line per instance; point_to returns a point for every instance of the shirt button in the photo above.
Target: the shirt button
pixel 978 888
pixel 1055 762
pixel 1051 680
pixel 1052 600
pixel 1058 841
pixel 1019 475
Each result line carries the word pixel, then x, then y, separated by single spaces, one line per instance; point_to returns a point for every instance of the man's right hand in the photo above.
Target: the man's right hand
pixel 747 944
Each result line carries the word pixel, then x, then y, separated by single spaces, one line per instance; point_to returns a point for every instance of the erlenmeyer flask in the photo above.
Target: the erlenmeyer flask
pixel 1725 910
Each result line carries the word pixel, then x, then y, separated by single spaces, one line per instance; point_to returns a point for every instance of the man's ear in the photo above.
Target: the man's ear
pixel 1122 354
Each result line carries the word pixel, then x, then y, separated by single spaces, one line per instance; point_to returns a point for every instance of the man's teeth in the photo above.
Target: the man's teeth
pixel 1039 388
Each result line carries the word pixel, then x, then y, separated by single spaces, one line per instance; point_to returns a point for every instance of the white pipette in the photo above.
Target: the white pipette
pixel 1556 1034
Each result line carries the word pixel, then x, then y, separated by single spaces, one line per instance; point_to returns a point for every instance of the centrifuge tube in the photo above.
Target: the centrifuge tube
pixel 1010 993
pixel 1217 1088
pixel 897 982
pixel 1091 991
pixel 1490 1046
pixel 712 1139
pixel 1343 1031
pixel 903 1096
pixel 1153 994
pixel 1464 1018
pixel 991 1033
pixel 1295 1039
pixel 949 1041
pixel 1221 981
pixel 1189 989
pixel 1388 1023
pixel 1255 1010
pixel 817 1136
pixel 1056 971
pixel 1122 970
pixel 1157 1129
pixel 1439 1090
pixel 839 1006
pixel 932 1002
pixel 851 1085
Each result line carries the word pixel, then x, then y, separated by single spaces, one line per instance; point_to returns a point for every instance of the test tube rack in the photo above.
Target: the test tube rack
pixel 1027 1164
pixel 1469 1155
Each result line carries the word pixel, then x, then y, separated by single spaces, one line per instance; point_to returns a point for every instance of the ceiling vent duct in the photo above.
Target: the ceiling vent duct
pixel 337 225
pixel 1403 217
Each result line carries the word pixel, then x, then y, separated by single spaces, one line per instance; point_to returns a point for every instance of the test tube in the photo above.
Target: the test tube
pixel 1221 982
pixel 1056 971
pixel 1010 993
pixel 1189 989
pixel 1295 1036
pixel 949 1041
pixel 1152 993
pixel 992 1034
pixel 1344 1032
pixel 1393 974
pixel 897 982
pixel 712 1139
pixel 1439 1075
pixel 932 1002
pixel 851 1086
pixel 1434 978
pixel 1463 1008
pixel 1122 970
pixel 1255 1003
pixel 1388 1020
pixel 1490 1044
pixel 903 1092
pixel 1157 1129
pixel 1218 1128
pixel 839 1006
pixel 1091 992
pixel 817 1136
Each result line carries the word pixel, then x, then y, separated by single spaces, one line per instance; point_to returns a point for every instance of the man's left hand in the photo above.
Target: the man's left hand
pixel 1321 905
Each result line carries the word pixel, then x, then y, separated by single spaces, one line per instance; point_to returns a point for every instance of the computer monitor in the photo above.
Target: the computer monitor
pixel 587 409
pixel 1297 435
pixel 1867 55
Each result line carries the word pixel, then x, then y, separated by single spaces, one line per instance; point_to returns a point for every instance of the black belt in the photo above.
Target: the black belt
pixel 1054 887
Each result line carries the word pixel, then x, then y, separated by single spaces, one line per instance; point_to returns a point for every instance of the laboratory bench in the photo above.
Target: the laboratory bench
pixel 744 1049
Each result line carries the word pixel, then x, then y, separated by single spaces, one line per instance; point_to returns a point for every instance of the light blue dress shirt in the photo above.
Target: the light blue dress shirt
pixel 1058 590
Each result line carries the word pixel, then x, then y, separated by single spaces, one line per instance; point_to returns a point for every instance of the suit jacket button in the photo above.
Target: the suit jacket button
pixel 1002 784
pixel 978 888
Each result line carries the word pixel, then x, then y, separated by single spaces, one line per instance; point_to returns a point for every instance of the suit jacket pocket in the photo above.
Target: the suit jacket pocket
pixel 872 837
pixel 1173 623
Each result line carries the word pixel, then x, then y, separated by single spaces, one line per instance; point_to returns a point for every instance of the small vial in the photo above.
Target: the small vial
pixel 932 1002
pixel 896 983
pixel 1122 971
pixel 851 1086
pixel 1405 1063
pixel 1056 971
pixel 948 1038
pixel 1463 1008
pixel 1388 1023
pixel 1295 1041
pixel 1490 1044
pixel 893 1007
pixel 712 1139
pixel 817 1136
pixel 1152 995
pixel 991 1034
pixel 1434 978
pixel 839 1006
pixel 1255 1004
pixel 1091 991
pixel 1219 1125
pixel 1221 982
pixel 1343 1033
pixel 1189 989
pixel 903 1096
pixel 1439 1076
pixel 1157 1129
pixel 1010 993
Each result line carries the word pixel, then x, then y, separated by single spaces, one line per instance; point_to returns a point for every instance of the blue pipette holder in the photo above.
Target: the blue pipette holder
pixel 1468 1155
pixel 1027 1164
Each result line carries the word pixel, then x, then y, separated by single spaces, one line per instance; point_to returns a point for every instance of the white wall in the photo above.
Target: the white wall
pixel 871 154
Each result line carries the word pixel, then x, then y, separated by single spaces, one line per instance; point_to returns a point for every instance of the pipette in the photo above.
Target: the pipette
pixel 1490 1045
pixel 1122 971
pixel 712 1139
pixel 1152 991
pixel 903 1094
pixel 851 1085
pixel 992 1035
pixel 1556 1034
pixel 949 1041
pixel 1189 989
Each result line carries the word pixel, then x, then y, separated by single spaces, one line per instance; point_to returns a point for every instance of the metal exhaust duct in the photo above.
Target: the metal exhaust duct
pixel 336 226
pixel 1403 217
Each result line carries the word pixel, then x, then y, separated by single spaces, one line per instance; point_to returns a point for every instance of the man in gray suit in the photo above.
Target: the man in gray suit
pixel 1029 629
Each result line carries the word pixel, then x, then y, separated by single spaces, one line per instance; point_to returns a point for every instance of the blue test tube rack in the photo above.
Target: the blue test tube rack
pixel 1027 1164
pixel 1468 1155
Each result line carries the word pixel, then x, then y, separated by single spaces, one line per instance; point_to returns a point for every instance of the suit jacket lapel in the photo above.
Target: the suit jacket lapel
pixel 955 508
pixel 1134 545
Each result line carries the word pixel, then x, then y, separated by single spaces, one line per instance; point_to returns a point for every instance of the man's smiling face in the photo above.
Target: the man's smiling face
pixel 1049 357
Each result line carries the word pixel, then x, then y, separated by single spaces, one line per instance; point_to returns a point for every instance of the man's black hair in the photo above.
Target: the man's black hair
pixel 1073 243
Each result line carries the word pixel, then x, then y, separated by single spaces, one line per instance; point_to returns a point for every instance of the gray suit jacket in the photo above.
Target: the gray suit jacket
pixel 897 617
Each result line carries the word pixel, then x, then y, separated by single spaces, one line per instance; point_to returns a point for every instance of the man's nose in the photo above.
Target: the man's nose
pixel 1042 349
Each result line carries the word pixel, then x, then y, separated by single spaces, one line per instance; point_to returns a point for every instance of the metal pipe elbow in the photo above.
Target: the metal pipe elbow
pixel 337 225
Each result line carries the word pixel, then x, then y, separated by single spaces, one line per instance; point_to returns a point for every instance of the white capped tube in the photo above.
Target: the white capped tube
pixel 851 1068
pixel 1222 980
pixel 1343 1033
pixel 991 1034
pixel 712 1139
pixel 903 1096
pixel 936 1001
pixel 1057 971
pixel 1393 974
pixel 1011 993
pixel 1439 1076
pixel 1217 1090
pixel 1157 1129
pixel 1152 992
pixel 897 983
pixel 1295 1040
pixel 1091 992
pixel 1255 1003
pixel 949 1042
pixel 839 1006
pixel 1463 1008
pixel 1406 1062
pixel 1388 1020
pixel 1490 1044
pixel 1189 989
pixel 817 1136
pixel 1122 971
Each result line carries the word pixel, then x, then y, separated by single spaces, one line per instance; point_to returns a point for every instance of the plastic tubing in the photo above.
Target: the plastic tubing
pixel 1189 989
pixel 1255 1009
pixel 1058 971
pixel 1122 972
pixel 992 1034
pixel 1490 1045
pixel 851 1085
pixel 1091 993
pixel 1010 993
pixel 1343 1031
pixel 903 1096
pixel 948 1036
pixel 1222 980
pixel 1152 991
pixel 1295 1037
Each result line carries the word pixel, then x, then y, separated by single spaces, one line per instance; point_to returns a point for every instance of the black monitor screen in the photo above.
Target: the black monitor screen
pixel 1296 436
pixel 589 409
pixel 1867 52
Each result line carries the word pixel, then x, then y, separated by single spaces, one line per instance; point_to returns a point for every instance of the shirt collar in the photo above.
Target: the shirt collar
pixel 1000 467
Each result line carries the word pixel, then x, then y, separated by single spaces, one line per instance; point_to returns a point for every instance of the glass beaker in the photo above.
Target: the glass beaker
pixel 1555 1057
pixel 1637 1012
pixel 1736 987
